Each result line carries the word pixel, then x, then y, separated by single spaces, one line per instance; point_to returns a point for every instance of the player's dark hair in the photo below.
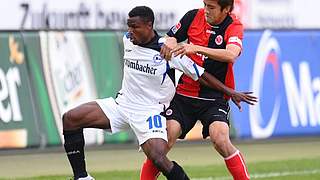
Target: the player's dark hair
pixel 225 3
pixel 143 12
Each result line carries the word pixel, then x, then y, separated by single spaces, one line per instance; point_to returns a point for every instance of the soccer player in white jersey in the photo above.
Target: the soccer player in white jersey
pixel 147 90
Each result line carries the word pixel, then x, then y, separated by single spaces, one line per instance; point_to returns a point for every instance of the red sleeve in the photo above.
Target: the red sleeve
pixel 234 33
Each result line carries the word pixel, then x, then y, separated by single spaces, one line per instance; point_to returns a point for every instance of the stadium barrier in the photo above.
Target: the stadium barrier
pixel 43 74
pixel 54 72
pixel 19 125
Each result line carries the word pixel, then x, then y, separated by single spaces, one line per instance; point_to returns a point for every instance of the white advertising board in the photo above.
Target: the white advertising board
pixel 283 14
pixel 84 14
pixel 68 75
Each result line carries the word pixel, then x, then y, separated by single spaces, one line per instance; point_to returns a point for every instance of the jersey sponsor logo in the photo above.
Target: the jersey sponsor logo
pixel 157 59
pixel 203 57
pixel 175 28
pixel 219 40
pixel 143 68
pixel 210 31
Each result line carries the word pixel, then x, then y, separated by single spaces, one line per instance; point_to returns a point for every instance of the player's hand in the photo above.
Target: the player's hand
pixel 238 97
pixel 167 47
pixel 184 49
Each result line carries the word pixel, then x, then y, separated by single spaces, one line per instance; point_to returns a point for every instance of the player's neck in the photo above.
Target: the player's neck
pixel 217 23
pixel 150 37
pixel 152 34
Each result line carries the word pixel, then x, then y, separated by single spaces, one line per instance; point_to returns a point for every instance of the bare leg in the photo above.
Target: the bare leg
pixel 87 115
pixel 148 170
pixel 219 135
pixel 156 149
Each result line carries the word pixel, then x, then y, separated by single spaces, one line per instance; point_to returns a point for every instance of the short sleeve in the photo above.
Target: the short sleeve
pixel 187 66
pixel 234 34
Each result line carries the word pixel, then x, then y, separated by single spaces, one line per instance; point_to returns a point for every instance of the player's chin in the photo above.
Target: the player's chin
pixel 133 40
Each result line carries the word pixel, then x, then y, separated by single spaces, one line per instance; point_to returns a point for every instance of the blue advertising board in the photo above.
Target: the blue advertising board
pixel 282 68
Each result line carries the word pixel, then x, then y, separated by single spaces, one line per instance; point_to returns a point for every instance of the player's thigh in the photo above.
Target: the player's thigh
pixel 88 115
pixel 183 112
pixel 116 114
pixel 148 124
pixel 155 147
pixel 215 117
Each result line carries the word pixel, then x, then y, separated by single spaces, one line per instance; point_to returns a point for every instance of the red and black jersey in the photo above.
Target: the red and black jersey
pixel 194 28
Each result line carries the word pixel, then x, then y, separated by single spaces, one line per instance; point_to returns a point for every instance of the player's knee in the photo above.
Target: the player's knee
pixel 171 141
pixel 159 160
pixel 220 140
pixel 174 131
pixel 68 120
pixel 158 156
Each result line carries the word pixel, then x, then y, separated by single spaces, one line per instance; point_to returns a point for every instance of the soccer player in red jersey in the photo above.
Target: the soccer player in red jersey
pixel 214 38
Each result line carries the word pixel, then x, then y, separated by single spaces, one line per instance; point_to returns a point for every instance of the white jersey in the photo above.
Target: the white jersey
pixel 145 81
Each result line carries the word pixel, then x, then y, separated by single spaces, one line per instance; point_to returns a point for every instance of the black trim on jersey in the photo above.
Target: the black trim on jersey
pixel 185 22
pixel 153 43
pixel 225 23
pixel 171 74
pixel 216 68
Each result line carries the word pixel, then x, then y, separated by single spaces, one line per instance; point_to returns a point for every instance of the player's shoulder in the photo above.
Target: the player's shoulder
pixel 194 12
pixel 235 25
pixel 235 20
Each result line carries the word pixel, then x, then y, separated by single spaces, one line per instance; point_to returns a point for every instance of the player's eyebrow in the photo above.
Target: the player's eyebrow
pixel 130 22
pixel 210 6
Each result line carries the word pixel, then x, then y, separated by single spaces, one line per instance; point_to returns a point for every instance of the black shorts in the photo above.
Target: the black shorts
pixel 187 111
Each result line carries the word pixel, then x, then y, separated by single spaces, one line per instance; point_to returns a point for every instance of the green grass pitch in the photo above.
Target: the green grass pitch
pixel 281 159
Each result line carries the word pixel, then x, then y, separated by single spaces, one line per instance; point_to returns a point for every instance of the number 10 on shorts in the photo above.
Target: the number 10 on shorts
pixel 155 121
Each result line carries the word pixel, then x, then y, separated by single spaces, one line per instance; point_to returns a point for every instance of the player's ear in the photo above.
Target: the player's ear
pixel 227 9
pixel 150 25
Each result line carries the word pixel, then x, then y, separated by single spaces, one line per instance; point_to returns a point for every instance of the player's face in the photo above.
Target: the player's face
pixel 213 13
pixel 139 30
